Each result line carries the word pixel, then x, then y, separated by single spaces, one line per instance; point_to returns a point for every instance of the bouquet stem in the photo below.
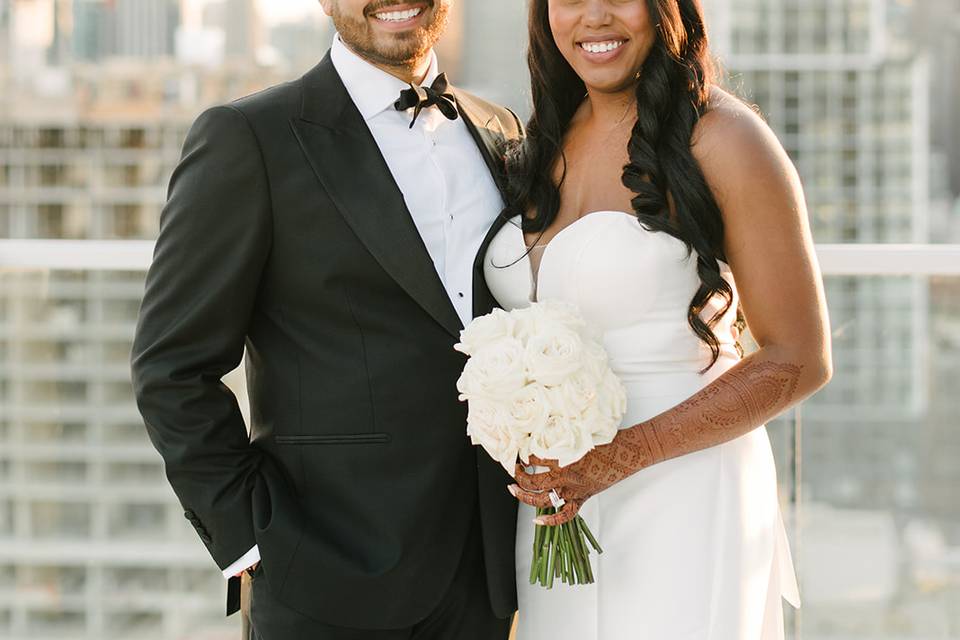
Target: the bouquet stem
pixel 562 552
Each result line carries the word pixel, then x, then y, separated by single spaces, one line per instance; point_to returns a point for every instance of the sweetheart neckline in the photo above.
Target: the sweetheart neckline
pixel 535 277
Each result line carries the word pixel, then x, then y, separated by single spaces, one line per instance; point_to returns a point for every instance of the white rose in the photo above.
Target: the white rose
pixel 566 313
pixel 562 438
pixel 581 390
pixel 484 330
pixel 523 322
pixel 529 409
pixel 595 359
pixel 602 428
pixel 552 356
pixel 495 371
pixel 548 316
pixel 488 426
pixel 612 397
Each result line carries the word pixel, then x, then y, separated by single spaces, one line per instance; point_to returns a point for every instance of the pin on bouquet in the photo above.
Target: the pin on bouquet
pixel 537 382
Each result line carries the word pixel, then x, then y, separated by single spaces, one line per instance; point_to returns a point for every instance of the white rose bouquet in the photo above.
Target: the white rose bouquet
pixel 537 382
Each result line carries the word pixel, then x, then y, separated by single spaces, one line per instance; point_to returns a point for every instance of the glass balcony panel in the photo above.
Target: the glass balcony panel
pixel 93 543
pixel 868 467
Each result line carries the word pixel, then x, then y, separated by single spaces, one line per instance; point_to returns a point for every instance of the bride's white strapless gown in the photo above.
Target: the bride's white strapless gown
pixel 694 547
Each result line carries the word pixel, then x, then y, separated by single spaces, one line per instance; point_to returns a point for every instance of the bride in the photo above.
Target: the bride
pixel 663 207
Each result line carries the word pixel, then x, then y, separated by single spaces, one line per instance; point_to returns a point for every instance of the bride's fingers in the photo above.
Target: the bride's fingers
pixel 536 481
pixel 566 514
pixel 541 500
pixel 553 465
pixel 517 470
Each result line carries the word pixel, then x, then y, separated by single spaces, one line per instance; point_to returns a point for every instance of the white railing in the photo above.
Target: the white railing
pixel 93 255
pixel 135 255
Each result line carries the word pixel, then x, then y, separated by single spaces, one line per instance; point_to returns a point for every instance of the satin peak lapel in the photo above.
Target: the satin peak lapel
pixel 487 132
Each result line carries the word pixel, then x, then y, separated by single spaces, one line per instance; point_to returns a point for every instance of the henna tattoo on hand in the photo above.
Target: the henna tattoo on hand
pixel 737 402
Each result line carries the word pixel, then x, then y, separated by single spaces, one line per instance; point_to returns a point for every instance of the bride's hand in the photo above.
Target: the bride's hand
pixel 575 484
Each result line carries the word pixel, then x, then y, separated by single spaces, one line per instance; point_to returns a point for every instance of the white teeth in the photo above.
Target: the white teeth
pixel 398 16
pixel 601 47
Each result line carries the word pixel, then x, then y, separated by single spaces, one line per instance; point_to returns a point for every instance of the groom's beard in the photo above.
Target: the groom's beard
pixel 398 49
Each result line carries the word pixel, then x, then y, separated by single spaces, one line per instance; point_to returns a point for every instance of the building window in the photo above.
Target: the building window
pixel 53 519
pixel 50 221
pixel 7 514
pixel 132 138
pixel 57 471
pixel 52 175
pixel 126 221
pixel 52 138
pixel 141 521
pixel 61 432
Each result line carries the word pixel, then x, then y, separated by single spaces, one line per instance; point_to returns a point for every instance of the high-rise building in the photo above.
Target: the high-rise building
pixel 936 28
pixel 243 29
pixel 240 22
pixel 146 28
pixel 94 30
pixel 302 44
pixel 6 25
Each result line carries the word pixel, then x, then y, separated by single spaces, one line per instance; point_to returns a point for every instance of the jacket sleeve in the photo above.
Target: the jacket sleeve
pixel 200 293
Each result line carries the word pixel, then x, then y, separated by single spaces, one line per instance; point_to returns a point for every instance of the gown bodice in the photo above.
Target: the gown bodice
pixel 633 284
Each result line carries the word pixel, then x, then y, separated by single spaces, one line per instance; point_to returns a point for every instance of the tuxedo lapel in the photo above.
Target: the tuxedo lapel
pixel 487 132
pixel 348 163
pixel 483 300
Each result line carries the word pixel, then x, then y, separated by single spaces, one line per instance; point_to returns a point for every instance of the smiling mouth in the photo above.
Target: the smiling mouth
pixel 398 16
pixel 602 47
pixel 397 13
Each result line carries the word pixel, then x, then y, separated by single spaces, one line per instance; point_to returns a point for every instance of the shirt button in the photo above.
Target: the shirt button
pixel 460 293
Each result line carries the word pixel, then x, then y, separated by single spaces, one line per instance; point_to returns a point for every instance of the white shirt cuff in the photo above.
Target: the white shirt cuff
pixel 248 559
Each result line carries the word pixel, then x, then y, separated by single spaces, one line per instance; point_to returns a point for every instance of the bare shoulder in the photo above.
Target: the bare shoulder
pixel 730 130
pixel 735 146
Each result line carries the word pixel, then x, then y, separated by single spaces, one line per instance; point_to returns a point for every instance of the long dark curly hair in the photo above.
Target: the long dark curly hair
pixel 672 95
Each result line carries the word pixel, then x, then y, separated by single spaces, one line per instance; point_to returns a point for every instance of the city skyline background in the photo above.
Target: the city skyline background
pixel 95 99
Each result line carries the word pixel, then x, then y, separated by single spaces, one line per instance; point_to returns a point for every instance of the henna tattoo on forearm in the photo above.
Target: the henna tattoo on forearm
pixel 737 402
pixel 730 406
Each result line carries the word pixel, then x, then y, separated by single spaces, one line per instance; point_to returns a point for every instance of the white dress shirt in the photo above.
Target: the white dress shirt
pixel 445 182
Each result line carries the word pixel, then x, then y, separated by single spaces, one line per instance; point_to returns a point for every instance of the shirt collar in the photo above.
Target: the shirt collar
pixel 372 89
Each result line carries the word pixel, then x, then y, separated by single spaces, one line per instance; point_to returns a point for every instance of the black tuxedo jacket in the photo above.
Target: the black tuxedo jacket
pixel 285 232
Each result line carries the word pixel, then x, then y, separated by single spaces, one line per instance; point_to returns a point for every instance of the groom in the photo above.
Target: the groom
pixel 330 226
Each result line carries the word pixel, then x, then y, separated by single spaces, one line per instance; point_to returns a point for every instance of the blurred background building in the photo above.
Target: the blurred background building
pixel 95 99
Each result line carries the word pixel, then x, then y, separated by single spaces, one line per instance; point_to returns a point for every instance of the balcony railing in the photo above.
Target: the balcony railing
pixel 135 255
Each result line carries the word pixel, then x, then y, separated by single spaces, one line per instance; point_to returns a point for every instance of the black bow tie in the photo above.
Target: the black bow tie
pixel 434 95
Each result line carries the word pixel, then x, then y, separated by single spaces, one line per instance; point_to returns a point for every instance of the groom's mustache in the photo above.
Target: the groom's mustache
pixel 374 7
